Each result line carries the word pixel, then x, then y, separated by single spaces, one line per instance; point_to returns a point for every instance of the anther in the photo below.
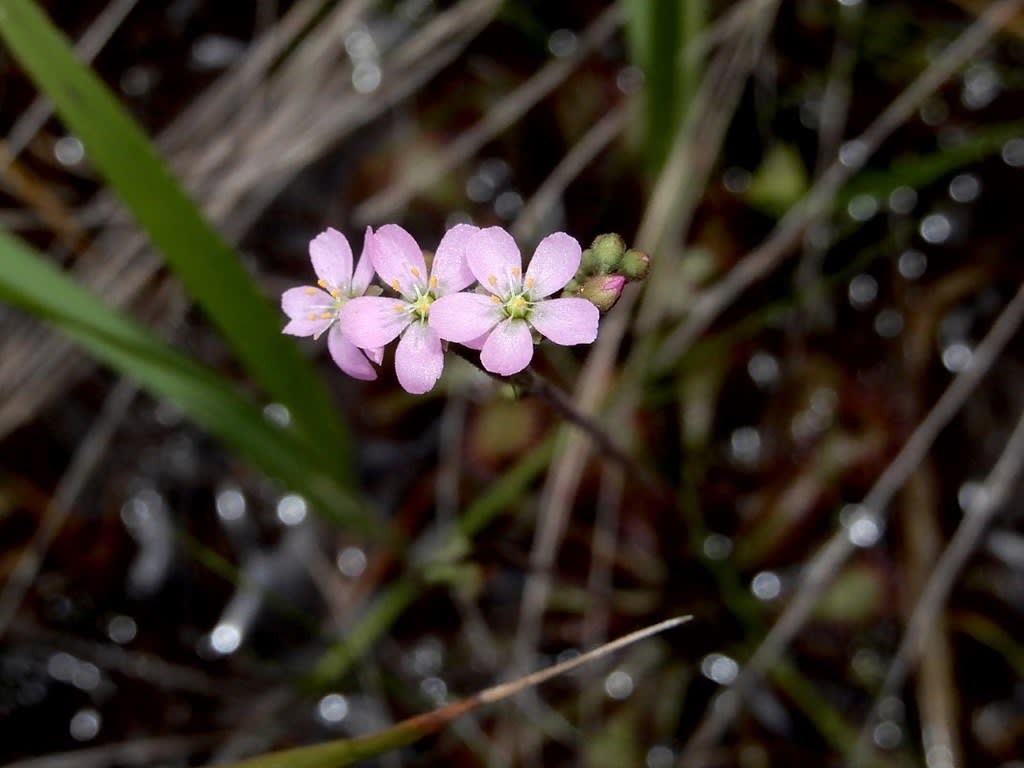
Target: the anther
pixel 325 315
pixel 322 283
pixel 415 271
pixel 394 285
pixel 399 307
pixel 517 272
pixel 495 299
pixel 335 293
pixel 312 316
pixel 529 282
pixel 433 282
pixel 492 280
pixel 310 291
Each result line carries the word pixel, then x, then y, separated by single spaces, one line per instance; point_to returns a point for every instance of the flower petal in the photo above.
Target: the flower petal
pixel 332 259
pixel 363 274
pixel 494 259
pixel 373 321
pixel 301 303
pixel 554 264
pixel 450 267
pixel 508 349
pixel 418 359
pixel 566 321
pixel 348 357
pixel 477 343
pixel 398 260
pixel 376 355
pixel 460 317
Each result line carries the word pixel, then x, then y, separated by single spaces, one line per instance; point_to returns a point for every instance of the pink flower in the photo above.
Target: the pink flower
pixel 515 304
pixel 373 321
pixel 314 310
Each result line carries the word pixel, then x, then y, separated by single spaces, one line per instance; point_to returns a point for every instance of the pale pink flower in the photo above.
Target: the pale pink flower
pixel 315 310
pixel 373 321
pixel 515 302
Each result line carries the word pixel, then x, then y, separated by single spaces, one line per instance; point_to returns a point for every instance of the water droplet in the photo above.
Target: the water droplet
pixel 766 585
pixel 427 657
pixel 853 154
pixel 763 369
pixel 717 546
pixel 85 724
pixel 887 735
pixel 508 205
pixel 936 228
pixel 351 562
pixel 122 629
pixel 745 445
pixel 215 52
pixel 332 708
pixel 618 685
pixel 736 179
pixel 956 356
pixel 965 188
pixel 61 666
pixel 1013 153
pixel 86 676
pixel 225 639
pixel 889 323
pixel 862 207
pixel 912 264
pixel 230 504
pixel 291 509
pixel 863 291
pixel 934 112
pixel 660 756
pixel 972 496
pixel 277 414
pixel 435 689
pixel 902 200
pixel 562 43
pixel 366 76
pixel 719 668
pixel 863 528
pixel 982 84
pixel 629 79
pixel 359 44
pixel 69 150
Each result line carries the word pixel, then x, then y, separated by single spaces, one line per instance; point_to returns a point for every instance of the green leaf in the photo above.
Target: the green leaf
pixel 211 273
pixel 31 283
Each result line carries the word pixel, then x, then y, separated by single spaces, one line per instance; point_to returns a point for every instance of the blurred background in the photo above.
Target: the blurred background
pixel 829 192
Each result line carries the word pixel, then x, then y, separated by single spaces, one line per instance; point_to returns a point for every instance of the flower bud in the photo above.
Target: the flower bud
pixel 603 290
pixel 635 265
pixel 588 264
pixel 608 252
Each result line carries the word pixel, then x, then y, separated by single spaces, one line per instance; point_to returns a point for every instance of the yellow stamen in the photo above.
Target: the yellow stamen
pixel 433 282
pixel 325 315
pixel 517 272
pixel 335 293
pixel 394 285
pixel 495 299
pixel 312 316
pixel 322 283
pixel 415 271
pixel 310 291
pixel 529 282
pixel 492 280
pixel 399 307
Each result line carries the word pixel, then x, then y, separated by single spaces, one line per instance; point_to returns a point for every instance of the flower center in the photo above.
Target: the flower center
pixel 517 307
pixel 421 306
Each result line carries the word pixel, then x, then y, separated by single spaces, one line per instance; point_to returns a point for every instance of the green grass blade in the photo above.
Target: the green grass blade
pixel 31 283
pixel 210 271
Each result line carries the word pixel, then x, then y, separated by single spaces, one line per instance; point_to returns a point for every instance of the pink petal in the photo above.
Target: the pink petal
pixel 554 264
pixel 332 258
pixel 450 267
pixel 299 304
pixel 398 260
pixel 373 321
pixel 477 343
pixel 376 355
pixel 566 321
pixel 348 357
pixel 508 349
pixel 463 316
pixel 494 259
pixel 418 359
pixel 363 274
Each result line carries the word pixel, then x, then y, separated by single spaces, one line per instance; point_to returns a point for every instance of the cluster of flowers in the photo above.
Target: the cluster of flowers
pixel 425 307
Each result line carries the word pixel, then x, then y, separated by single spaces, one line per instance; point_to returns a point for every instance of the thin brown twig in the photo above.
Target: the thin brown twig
pixel 826 563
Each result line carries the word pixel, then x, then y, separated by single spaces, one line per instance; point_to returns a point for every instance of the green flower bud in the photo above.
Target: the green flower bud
pixel 635 265
pixel 588 264
pixel 603 290
pixel 608 252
